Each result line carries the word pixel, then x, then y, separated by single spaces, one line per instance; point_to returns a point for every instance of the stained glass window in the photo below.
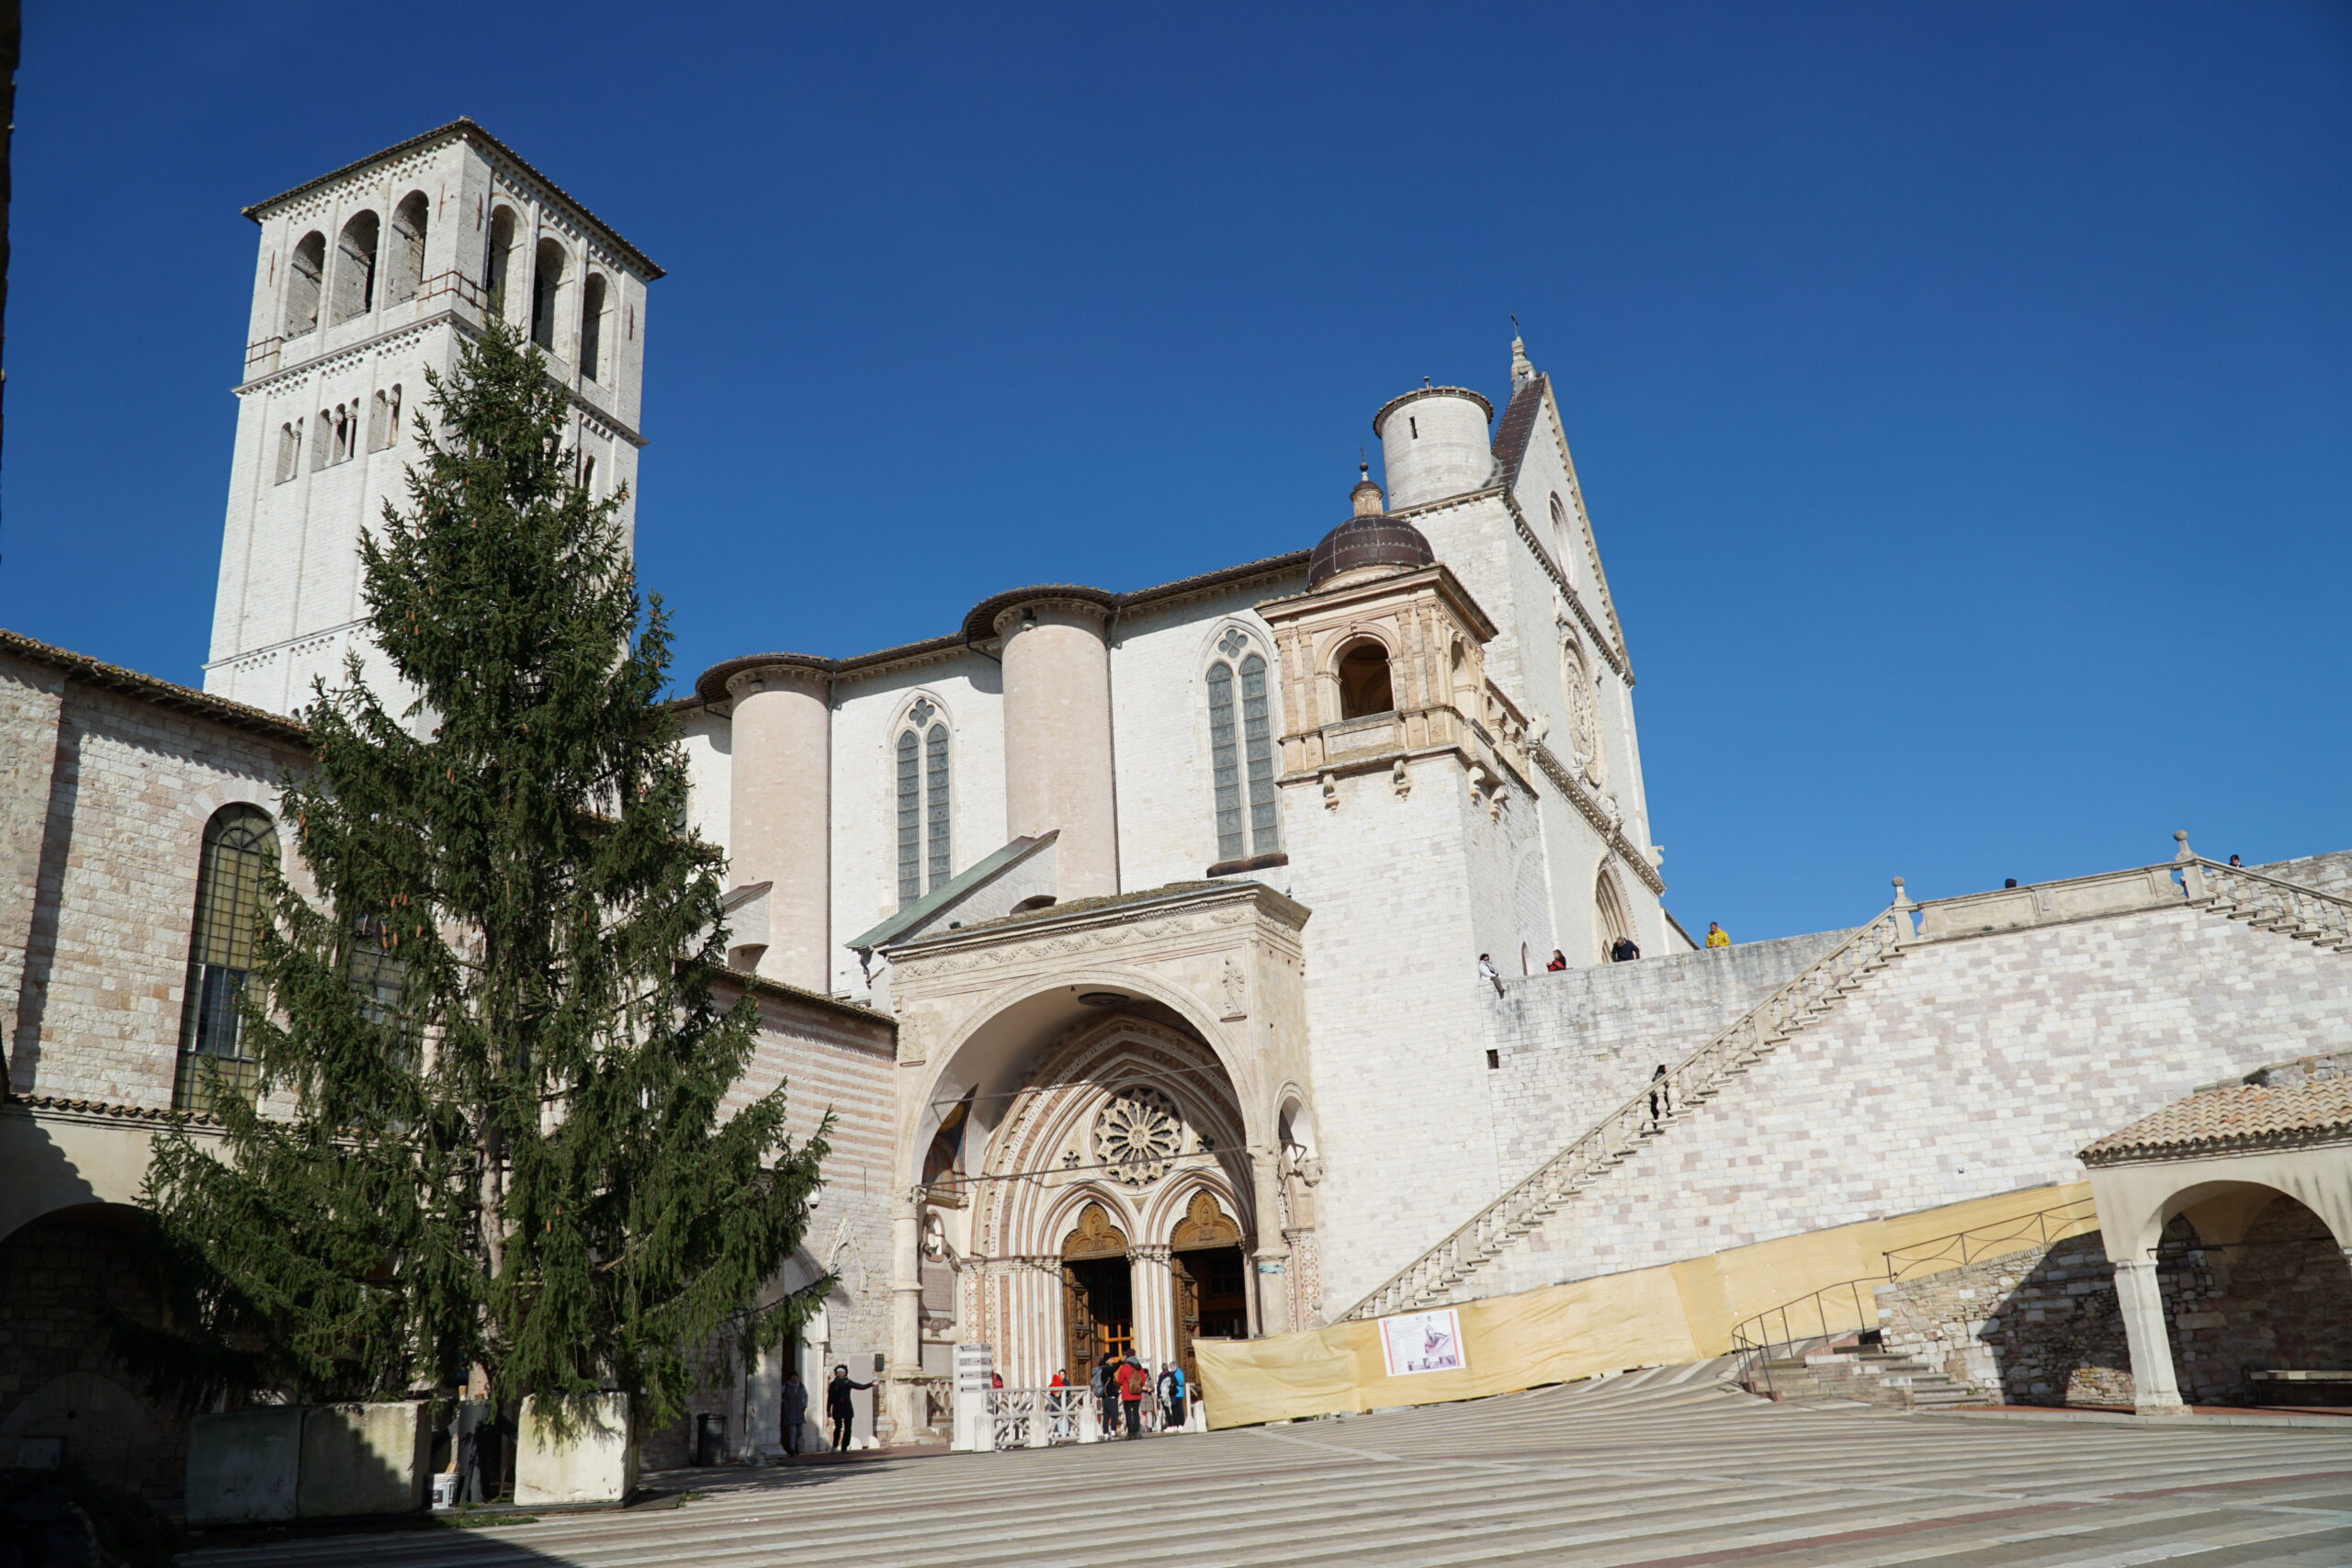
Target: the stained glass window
pixel 910 820
pixel 1224 763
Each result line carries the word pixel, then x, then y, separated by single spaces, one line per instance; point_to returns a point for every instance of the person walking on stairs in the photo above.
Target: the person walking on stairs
pixel 1662 1096
pixel 838 1408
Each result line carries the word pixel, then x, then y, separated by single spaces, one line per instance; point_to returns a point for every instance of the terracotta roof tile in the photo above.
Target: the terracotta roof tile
pixel 1518 426
pixel 2216 1121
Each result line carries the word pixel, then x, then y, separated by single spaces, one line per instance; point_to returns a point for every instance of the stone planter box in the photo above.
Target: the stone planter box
pixel 595 1462
pixel 316 1461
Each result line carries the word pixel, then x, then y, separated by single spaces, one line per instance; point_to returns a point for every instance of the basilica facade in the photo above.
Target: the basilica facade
pixel 1132 935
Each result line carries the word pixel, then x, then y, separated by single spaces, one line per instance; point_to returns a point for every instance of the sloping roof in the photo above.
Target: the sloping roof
pixel 163 694
pixel 947 892
pixel 1518 426
pixel 2218 1120
pixel 466 127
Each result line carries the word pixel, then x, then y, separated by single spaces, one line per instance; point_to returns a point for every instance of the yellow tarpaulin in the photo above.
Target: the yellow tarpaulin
pixel 1679 1311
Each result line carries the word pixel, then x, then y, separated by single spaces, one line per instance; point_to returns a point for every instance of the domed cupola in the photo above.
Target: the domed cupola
pixel 1370 538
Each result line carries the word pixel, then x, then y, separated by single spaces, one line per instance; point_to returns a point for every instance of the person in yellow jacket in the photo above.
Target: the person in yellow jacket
pixel 1717 936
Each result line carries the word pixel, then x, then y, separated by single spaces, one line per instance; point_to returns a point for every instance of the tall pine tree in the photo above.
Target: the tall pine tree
pixel 509 1146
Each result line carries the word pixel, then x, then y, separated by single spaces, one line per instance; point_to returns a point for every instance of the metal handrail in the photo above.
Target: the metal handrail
pixel 1754 1341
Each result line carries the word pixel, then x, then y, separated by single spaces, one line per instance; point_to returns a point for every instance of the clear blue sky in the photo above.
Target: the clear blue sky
pixel 1963 393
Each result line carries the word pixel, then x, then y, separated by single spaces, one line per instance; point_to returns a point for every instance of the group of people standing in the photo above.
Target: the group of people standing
pixel 1122 1386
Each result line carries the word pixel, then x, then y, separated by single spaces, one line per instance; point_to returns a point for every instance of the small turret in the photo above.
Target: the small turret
pixel 1433 443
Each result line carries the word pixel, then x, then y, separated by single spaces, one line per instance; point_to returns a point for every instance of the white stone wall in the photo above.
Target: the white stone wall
pixel 1573 1046
pixel 1159 660
pixel 868 712
pixel 1395 1011
pixel 1967 1067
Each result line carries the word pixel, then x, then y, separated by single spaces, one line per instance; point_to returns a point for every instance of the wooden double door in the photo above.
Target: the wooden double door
pixel 1212 1301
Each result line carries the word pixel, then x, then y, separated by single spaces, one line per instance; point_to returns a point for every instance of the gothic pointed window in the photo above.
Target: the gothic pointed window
pixel 1258 749
pixel 1241 752
pixel 240 845
pixel 934 804
pixel 1224 762
pixel 910 819
pixel 926 850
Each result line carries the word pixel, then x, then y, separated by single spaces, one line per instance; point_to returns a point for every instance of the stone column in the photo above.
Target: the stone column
pixel 763 1406
pixel 1153 1280
pixel 1057 773
pixel 780 817
pixel 2154 1391
pixel 1269 1287
pixel 903 1381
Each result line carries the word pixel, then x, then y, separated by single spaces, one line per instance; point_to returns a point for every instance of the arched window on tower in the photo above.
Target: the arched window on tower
pixel 384 423
pixel 290 450
pixel 498 260
pixel 1560 530
pixel 240 845
pixel 1241 752
pixel 304 273
pixel 926 850
pixel 355 267
pixel 1364 685
pixel 593 302
pixel 404 276
pixel 547 293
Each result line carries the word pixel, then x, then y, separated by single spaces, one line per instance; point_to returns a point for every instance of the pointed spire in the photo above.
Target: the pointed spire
pixel 1521 372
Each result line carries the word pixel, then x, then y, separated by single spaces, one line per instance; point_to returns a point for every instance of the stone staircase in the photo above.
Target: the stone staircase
pixel 2265 903
pixel 1439 1275
pixel 1856 1368
pixel 1444 1274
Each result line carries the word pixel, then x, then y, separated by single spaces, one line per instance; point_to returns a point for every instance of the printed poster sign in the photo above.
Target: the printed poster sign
pixel 1423 1342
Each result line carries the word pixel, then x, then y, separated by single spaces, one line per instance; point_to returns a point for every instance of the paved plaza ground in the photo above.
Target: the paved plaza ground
pixel 1661 1470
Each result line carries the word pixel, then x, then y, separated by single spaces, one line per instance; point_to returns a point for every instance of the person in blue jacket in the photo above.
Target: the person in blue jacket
pixel 1172 1394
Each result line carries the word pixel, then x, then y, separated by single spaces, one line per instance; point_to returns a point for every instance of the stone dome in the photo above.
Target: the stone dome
pixel 1371 537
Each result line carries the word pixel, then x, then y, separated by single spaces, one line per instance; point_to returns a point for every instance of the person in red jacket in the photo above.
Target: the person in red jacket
pixel 1133 1380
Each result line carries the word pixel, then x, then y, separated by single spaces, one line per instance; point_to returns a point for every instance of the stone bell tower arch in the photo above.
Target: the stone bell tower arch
pixel 364 279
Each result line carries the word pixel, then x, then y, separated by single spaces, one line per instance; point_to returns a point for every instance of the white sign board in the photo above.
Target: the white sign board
pixel 1422 1342
pixel 973 1365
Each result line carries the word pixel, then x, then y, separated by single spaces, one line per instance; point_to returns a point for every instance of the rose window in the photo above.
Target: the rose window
pixel 1137 1135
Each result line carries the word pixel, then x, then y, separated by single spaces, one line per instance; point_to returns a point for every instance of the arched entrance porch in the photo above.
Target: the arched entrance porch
pixel 1109 1187
pixel 2254 1231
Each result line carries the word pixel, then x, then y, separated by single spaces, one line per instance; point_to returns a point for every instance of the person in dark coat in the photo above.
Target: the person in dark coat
pixel 1623 951
pixel 1105 1383
pixel 838 1408
pixel 1661 1095
pixel 796 1411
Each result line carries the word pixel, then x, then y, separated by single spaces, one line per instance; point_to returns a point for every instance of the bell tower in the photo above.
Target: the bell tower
pixel 367 278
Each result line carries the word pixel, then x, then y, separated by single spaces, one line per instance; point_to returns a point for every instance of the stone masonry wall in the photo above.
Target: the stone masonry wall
pixel 2041 1326
pixel 1574 1045
pixel 1967 1067
pixel 97 1012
